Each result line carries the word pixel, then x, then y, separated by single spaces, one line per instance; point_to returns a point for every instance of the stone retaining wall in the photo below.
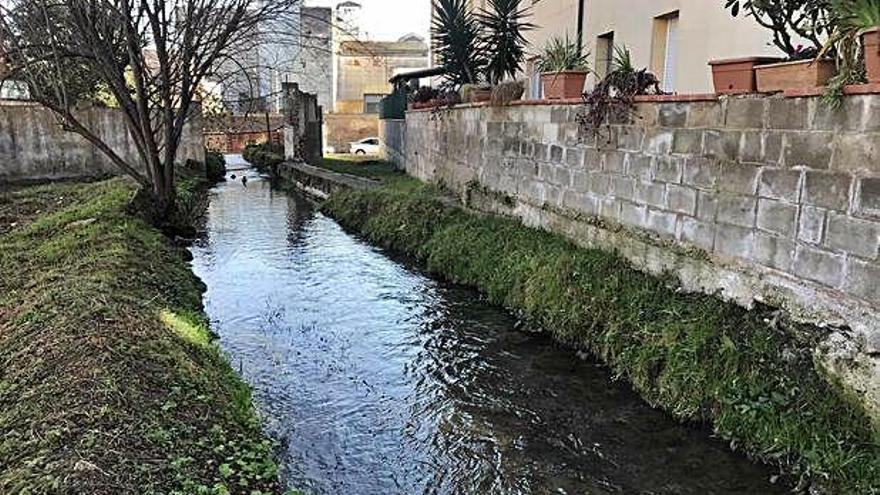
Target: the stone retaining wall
pixel 392 137
pixel 765 199
pixel 34 147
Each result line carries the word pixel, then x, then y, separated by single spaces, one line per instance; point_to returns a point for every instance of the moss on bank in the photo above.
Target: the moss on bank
pixel 360 166
pixel 750 373
pixel 109 379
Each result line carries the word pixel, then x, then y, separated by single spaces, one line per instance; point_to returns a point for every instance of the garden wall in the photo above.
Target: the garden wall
pixel 766 199
pixel 34 147
pixel 392 137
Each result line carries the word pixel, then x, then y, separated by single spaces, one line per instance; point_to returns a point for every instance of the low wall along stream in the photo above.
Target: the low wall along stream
pixel 762 199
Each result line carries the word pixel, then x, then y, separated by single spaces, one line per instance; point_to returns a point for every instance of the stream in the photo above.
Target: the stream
pixel 378 379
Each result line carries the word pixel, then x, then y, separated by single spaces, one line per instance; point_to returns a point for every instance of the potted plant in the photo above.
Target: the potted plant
pixel 424 97
pixel 856 21
pixel 871 42
pixel 799 71
pixel 790 21
pixel 854 41
pixel 475 93
pixel 564 68
pixel 456 43
pixel 503 25
pixel 737 75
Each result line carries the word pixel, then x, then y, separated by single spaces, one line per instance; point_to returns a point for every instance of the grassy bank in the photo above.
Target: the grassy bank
pixel 748 373
pixel 109 380
pixel 360 166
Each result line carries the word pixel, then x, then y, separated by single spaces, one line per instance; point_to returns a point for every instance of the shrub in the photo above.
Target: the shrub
pixel 264 156
pixel 215 166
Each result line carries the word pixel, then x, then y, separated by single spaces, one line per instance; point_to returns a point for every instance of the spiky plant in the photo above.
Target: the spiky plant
pixel 850 19
pixel 503 24
pixel 456 42
pixel 562 54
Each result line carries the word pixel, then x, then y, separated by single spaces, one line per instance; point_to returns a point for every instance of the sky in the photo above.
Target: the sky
pixel 384 20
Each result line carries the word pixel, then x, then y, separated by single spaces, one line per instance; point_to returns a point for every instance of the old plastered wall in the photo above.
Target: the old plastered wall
pixel 34 146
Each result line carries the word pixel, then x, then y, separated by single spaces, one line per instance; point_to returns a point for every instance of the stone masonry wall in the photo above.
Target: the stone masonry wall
pixel 392 139
pixel 34 147
pixel 761 198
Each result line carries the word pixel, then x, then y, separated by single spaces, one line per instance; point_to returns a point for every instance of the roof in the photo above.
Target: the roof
pixel 242 123
pixel 384 48
pixel 417 74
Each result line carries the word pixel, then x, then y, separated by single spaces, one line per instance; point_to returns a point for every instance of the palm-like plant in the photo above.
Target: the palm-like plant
pixel 457 43
pixel 562 54
pixel 850 19
pixel 504 23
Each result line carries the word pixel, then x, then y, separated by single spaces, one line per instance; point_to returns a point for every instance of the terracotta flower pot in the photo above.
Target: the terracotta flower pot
pixel 481 95
pixel 563 85
pixel 737 75
pixel 774 78
pixel 872 54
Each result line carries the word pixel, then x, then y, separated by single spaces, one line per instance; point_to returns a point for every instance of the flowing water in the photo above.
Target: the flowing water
pixel 380 380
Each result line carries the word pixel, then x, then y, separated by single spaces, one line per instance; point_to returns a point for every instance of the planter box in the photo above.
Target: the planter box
pixel 421 105
pixel 774 78
pixel 872 54
pixel 737 75
pixel 481 95
pixel 563 85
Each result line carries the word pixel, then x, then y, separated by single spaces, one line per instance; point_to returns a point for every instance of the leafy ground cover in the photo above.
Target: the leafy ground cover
pixel 110 380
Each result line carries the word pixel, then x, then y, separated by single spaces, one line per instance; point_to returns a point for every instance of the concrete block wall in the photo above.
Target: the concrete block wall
pixel 392 139
pixel 34 147
pixel 761 198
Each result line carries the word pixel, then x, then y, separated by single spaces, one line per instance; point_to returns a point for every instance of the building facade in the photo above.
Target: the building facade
pixel 675 39
pixel 363 69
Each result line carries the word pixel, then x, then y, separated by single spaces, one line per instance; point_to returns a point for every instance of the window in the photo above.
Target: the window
pixel 664 51
pixel 371 103
pixel 604 54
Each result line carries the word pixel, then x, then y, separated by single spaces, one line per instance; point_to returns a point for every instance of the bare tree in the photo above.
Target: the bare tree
pixel 151 56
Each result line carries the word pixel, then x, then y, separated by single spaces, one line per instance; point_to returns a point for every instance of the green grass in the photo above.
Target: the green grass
pixel 360 166
pixel 110 382
pixel 751 374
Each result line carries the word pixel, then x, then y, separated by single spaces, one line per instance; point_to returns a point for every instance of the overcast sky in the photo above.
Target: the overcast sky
pixel 389 19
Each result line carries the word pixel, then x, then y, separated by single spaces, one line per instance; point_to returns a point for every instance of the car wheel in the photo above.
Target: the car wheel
pixel 360 152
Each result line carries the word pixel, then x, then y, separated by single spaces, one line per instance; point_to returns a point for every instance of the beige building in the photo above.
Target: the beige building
pixel 675 39
pixel 363 69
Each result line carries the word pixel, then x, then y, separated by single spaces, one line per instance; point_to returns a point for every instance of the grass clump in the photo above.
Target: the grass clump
pixel 749 373
pixel 360 166
pixel 110 381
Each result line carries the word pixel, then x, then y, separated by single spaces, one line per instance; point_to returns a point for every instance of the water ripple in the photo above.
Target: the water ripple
pixel 383 381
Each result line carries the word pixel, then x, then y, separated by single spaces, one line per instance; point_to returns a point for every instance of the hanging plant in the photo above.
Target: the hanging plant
pixel 613 99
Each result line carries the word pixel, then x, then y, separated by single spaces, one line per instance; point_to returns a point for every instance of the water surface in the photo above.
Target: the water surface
pixel 380 380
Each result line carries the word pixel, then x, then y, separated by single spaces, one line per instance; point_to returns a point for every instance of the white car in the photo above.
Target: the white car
pixel 367 146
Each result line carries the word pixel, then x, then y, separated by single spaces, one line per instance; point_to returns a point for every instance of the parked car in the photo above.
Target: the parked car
pixel 367 146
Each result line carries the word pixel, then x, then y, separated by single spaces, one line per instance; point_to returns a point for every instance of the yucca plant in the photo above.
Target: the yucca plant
pixel 503 41
pixel 456 42
pixel 563 54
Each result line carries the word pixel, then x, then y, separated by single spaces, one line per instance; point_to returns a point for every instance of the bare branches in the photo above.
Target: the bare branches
pixel 149 58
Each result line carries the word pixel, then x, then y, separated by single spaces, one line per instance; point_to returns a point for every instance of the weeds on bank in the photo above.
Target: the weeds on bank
pixel 360 166
pixel 109 380
pixel 749 373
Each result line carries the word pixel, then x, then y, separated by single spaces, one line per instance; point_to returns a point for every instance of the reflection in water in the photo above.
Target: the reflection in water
pixel 380 380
